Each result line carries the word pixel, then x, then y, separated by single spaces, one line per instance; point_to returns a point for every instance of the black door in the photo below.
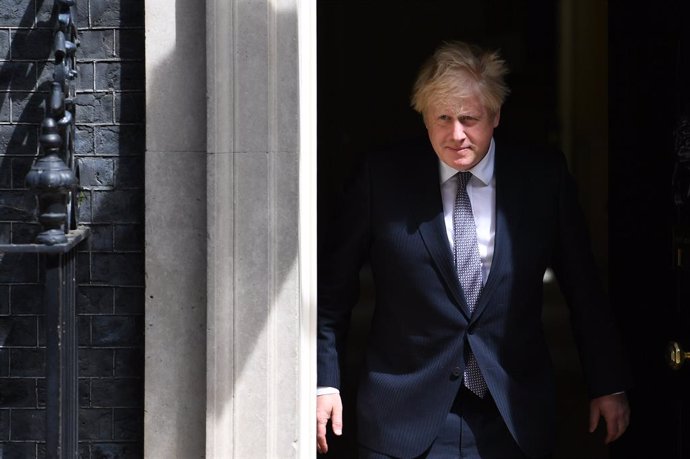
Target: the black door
pixel 649 88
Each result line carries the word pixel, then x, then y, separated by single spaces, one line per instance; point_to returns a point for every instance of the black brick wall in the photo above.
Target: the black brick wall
pixel 110 147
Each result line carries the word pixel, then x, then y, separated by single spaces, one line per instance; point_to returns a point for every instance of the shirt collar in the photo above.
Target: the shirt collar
pixel 483 170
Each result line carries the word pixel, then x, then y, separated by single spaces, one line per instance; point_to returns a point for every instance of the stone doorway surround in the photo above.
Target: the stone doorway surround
pixel 230 228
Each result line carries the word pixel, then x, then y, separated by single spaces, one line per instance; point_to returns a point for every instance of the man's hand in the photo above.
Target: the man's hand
pixel 615 411
pixel 328 407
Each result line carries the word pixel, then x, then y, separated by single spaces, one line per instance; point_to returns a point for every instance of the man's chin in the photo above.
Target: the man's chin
pixel 463 164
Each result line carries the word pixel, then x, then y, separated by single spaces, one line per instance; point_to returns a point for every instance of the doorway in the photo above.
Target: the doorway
pixel 367 60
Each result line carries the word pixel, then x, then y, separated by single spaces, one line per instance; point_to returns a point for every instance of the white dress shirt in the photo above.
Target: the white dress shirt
pixel 481 189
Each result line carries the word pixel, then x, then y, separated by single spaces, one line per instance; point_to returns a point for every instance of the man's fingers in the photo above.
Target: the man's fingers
pixel 337 418
pixel 593 418
pixel 321 444
pixel 328 407
pixel 617 425
pixel 612 430
pixel 321 422
pixel 616 413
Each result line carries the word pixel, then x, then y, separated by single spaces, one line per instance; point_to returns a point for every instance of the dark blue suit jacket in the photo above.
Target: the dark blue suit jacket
pixel 393 217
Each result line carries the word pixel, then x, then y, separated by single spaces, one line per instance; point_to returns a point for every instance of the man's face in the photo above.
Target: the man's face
pixel 460 131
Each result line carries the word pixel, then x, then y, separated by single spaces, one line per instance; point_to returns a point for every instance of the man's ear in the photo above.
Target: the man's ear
pixel 497 117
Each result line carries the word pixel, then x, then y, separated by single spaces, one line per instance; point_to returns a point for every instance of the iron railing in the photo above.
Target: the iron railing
pixel 53 178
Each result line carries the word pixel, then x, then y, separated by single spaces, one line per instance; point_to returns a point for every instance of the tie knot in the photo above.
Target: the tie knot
pixel 463 178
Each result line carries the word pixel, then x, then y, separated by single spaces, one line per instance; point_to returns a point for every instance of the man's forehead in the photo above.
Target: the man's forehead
pixel 457 105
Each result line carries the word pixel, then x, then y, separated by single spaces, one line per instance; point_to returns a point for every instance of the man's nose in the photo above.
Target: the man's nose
pixel 458 130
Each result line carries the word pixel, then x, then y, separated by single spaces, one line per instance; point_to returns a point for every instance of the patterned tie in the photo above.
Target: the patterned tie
pixel 468 265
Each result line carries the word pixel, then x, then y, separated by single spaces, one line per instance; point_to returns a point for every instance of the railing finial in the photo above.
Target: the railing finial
pixel 51 180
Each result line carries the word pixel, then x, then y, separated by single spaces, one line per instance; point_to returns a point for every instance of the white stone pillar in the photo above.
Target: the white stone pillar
pixel 254 292
pixel 231 257
pixel 175 181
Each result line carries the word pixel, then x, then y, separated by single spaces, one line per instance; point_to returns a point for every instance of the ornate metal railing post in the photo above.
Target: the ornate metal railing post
pixel 53 179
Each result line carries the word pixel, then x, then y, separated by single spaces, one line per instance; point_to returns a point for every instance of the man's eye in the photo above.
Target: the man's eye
pixel 468 120
pixel 444 118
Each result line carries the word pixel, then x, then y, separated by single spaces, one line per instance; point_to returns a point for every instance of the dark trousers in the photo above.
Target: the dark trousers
pixel 473 429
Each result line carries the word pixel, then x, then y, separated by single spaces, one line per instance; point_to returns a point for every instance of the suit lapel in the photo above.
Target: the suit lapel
pixel 432 227
pixel 507 216
pixel 433 233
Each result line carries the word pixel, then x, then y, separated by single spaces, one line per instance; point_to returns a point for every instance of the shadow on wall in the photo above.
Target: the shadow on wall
pixel 110 145
pixel 175 234
pixel 25 77
pixel 110 157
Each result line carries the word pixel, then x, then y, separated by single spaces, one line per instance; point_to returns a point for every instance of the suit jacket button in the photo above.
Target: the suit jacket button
pixel 457 372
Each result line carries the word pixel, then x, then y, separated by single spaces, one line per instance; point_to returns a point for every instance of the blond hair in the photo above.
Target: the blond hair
pixel 459 70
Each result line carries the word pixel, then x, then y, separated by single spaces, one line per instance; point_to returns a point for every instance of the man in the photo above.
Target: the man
pixel 458 241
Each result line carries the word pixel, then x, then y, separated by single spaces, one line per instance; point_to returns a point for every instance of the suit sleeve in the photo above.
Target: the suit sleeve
pixel 600 347
pixel 340 259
